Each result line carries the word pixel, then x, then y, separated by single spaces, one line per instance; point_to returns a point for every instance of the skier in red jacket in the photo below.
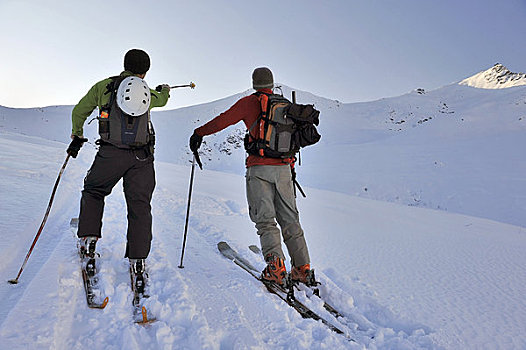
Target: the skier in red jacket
pixel 270 190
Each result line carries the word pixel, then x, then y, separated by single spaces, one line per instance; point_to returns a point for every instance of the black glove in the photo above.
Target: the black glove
pixel 195 142
pixel 159 88
pixel 75 145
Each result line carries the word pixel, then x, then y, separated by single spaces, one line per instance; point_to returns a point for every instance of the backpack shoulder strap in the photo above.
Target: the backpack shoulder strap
pixel 263 100
pixel 261 96
pixel 111 88
pixel 113 84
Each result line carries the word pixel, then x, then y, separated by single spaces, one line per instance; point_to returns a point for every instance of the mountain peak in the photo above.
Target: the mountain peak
pixel 497 77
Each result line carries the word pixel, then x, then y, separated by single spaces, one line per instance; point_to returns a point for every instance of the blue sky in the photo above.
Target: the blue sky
pixel 53 51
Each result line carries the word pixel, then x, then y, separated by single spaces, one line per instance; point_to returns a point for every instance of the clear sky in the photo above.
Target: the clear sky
pixel 53 51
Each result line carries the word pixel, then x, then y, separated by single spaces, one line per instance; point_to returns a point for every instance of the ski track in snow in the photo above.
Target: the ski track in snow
pixel 210 304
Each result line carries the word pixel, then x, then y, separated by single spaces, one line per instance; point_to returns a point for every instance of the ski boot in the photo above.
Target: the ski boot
pixel 86 246
pixel 139 279
pixel 275 271
pixel 89 265
pixel 303 274
pixel 138 276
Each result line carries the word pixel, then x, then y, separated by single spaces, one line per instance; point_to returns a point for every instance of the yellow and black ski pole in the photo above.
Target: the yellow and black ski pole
pixel 191 86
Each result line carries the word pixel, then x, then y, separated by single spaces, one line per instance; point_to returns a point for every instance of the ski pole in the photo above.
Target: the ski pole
pixel 187 211
pixel 191 86
pixel 15 281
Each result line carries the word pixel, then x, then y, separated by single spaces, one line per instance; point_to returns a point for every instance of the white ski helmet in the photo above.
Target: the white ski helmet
pixel 133 96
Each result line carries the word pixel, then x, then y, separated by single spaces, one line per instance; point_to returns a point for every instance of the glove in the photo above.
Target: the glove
pixel 195 142
pixel 159 88
pixel 75 145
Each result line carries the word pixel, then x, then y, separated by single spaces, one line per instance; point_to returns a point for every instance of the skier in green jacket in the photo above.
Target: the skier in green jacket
pixel 126 152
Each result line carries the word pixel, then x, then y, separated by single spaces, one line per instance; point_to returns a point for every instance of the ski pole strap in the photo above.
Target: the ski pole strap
pixel 296 184
pixel 198 160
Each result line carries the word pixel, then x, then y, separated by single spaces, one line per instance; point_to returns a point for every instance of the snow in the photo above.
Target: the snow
pixel 497 77
pixel 416 230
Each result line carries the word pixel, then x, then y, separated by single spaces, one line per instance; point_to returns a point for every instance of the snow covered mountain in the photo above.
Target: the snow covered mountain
pixel 413 149
pixel 404 276
pixel 497 77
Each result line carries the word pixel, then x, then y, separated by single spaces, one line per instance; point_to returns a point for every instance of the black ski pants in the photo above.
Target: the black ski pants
pixel 136 169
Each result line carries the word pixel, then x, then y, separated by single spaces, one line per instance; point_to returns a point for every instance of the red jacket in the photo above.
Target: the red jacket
pixel 248 110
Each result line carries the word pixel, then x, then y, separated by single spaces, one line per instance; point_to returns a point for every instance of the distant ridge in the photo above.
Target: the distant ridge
pixel 497 77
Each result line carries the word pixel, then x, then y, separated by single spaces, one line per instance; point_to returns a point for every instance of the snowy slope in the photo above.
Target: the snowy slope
pixel 410 277
pixel 457 148
pixel 405 276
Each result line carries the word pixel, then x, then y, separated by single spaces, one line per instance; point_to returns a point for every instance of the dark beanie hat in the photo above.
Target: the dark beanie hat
pixel 136 61
pixel 262 78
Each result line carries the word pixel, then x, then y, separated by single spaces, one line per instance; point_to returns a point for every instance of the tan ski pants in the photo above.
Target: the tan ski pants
pixel 270 195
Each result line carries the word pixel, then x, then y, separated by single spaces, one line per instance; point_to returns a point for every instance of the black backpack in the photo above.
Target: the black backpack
pixel 282 128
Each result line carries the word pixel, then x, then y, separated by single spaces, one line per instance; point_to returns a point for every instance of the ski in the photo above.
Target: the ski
pixel 138 285
pixel 90 275
pixel 353 321
pixel 285 295
pixel 309 290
